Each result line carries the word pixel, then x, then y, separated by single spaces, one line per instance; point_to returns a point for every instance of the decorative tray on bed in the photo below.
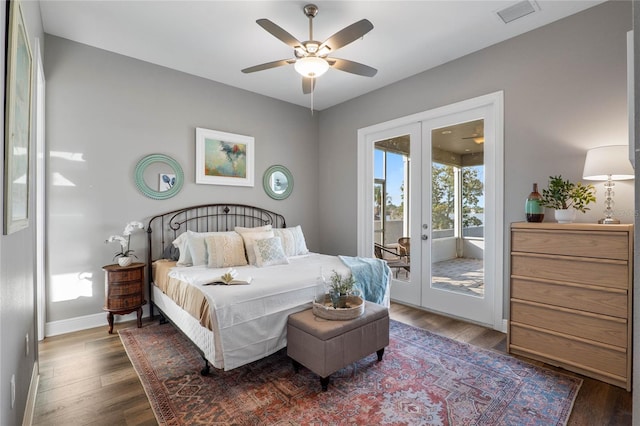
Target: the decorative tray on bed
pixel 355 308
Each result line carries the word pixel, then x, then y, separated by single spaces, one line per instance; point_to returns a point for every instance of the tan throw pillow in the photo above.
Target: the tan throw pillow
pixel 224 250
pixel 249 240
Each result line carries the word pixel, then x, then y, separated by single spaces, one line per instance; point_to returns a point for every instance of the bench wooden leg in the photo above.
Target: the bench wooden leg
pixel 380 353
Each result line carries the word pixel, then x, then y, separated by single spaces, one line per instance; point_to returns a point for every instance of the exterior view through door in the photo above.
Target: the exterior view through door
pixel 457 204
pixel 433 185
pixel 457 208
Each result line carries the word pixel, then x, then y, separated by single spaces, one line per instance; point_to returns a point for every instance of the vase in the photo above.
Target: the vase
pixel 338 300
pixel 124 261
pixel 565 215
pixel 532 207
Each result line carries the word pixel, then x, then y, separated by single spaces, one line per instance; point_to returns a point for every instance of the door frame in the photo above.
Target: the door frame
pixel 494 259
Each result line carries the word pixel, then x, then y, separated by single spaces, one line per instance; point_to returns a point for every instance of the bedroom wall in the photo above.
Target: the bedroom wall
pixel 564 92
pixel 104 113
pixel 17 278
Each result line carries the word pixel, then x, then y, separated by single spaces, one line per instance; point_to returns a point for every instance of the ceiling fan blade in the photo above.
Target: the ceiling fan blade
pixel 268 65
pixel 279 33
pixel 352 67
pixel 308 84
pixel 347 35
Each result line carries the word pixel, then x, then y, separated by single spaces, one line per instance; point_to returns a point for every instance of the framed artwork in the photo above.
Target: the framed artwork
pixel 224 158
pixel 17 123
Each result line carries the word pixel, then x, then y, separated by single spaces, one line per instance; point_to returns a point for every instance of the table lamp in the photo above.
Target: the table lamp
pixel 608 163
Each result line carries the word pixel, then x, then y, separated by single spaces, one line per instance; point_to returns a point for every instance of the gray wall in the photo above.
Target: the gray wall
pixel 109 111
pixel 564 92
pixel 17 278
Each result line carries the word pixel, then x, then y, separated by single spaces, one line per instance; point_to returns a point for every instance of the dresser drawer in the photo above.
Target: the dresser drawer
pixel 605 301
pixel 600 328
pixel 126 275
pixel 124 302
pixel 124 289
pixel 610 273
pixel 596 244
pixel 609 361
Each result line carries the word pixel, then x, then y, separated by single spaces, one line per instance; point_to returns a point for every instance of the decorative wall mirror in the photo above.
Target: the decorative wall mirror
pixel 278 182
pixel 159 176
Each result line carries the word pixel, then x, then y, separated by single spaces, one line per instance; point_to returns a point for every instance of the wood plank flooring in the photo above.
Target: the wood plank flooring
pixel 86 377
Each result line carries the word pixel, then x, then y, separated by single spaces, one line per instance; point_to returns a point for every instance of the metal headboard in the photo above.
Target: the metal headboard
pixel 166 227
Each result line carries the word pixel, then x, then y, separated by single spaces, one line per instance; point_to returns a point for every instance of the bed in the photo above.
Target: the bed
pixel 232 325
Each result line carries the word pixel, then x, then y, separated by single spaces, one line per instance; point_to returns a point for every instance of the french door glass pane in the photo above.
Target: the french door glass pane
pixel 391 203
pixel 457 211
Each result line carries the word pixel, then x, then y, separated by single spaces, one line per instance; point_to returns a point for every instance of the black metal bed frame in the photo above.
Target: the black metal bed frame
pixel 200 218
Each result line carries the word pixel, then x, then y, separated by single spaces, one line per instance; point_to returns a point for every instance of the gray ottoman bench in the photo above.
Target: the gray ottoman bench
pixel 325 346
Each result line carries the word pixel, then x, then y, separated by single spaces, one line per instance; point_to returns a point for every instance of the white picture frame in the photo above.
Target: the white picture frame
pixel 17 123
pixel 224 158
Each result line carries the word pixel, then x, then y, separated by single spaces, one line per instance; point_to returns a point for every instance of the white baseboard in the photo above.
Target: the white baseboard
pixel 70 325
pixel 505 325
pixel 30 408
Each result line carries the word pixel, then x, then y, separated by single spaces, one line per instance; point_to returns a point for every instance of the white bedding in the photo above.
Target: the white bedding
pixel 250 320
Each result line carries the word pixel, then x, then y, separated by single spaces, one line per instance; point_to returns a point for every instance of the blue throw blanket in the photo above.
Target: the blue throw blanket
pixel 371 275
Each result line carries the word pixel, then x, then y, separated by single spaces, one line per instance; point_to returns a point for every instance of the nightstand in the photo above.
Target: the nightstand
pixel 123 291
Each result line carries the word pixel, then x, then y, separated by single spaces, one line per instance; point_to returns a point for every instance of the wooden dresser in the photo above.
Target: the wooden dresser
pixel 571 297
pixel 123 291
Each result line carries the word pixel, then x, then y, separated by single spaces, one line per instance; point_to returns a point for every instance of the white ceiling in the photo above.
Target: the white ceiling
pixel 216 39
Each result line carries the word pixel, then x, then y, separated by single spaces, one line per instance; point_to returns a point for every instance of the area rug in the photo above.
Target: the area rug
pixel 423 379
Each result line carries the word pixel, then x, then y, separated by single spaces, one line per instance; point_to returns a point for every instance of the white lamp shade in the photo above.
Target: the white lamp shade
pixel 311 66
pixel 605 161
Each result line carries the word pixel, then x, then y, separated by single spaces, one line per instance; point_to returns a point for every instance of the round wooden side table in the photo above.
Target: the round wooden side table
pixel 123 291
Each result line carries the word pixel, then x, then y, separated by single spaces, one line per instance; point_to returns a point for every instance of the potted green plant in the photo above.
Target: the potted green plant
pixel 567 197
pixel 340 288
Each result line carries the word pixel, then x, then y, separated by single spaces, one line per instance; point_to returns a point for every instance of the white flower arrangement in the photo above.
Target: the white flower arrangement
pixel 125 251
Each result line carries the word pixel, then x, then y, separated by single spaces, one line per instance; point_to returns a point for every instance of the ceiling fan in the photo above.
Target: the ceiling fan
pixel 311 57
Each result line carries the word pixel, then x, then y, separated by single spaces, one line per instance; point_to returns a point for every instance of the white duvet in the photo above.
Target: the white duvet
pixel 250 320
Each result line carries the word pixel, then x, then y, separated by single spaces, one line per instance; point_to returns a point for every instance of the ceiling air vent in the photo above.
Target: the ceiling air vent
pixel 517 10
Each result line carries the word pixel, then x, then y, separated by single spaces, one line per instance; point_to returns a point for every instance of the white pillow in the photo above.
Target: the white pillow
pixel 293 241
pixel 250 238
pixel 183 244
pixel 225 249
pixel 269 252
pixel 242 229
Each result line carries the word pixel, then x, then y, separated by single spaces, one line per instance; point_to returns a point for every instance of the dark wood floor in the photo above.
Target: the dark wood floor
pixel 87 378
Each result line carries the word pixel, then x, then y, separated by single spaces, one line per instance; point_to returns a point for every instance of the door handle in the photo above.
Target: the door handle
pixel 425 237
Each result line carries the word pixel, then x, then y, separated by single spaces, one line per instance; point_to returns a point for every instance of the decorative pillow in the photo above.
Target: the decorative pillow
pixel 269 252
pixel 250 238
pixel 183 243
pixel 224 250
pixel 242 229
pixel 293 241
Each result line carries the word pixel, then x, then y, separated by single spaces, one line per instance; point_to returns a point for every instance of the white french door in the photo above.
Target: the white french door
pixel 407 210
pixel 403 143
pixel 461 279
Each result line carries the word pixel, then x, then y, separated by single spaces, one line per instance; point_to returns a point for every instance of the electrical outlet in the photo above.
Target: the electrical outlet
pixel 26 341
pixel 13 390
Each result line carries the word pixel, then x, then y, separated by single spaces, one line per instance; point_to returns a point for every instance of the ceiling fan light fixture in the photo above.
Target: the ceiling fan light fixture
pixel 311 66
pixel 479 140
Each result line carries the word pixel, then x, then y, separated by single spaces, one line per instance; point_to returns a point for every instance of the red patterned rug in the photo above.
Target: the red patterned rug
pixel 424 379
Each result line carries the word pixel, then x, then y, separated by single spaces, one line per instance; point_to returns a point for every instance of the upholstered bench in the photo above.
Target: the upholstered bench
pixel 325 346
